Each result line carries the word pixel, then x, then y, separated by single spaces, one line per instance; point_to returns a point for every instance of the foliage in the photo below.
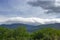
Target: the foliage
pixel 47 34
pixel 21 33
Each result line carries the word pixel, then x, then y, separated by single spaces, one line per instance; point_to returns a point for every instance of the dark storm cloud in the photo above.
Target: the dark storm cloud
pixel 48 5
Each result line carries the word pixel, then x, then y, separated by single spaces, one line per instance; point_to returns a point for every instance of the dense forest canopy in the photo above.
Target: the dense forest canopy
pixel 21 33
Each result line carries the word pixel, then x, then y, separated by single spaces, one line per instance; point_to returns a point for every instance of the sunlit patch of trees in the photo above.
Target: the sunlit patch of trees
pixel 21 33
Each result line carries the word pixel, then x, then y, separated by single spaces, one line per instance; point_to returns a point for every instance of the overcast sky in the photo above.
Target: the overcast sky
pixel 22 8
pixel 29 8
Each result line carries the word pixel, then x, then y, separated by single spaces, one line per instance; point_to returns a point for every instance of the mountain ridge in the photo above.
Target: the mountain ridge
pixel 31 28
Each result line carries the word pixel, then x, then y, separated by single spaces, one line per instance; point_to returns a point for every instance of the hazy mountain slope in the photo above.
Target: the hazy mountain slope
pixel 55 25
pixel 31 27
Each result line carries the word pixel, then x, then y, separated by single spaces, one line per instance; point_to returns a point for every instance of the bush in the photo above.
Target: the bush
pixel 46 34
pixel 21 33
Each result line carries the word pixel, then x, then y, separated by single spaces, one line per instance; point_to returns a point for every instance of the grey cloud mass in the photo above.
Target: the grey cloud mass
pixel 50 5
pixel 23 8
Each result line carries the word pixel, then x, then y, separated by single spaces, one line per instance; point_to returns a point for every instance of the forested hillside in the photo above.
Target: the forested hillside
pixel 21 33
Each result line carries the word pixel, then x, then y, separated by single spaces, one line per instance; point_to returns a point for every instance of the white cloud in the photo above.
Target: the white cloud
pixel 30 21
pixel 57 3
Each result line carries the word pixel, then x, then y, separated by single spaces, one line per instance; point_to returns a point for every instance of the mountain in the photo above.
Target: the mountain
pixel 31 28
pixel 55 25
pixel 15 25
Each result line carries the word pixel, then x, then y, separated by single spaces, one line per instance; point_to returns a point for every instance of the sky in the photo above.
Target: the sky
pixel 44 9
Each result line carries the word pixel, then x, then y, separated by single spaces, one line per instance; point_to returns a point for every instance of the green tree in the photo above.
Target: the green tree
pixel 21 33
pixel 46 34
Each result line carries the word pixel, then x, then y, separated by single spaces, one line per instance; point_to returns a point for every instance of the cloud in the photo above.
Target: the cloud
pixel 16 11
pixel 30 21
pixel 50 5
pixel 20 8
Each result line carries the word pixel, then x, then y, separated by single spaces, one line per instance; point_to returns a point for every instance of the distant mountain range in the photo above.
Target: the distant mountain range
pixel 31 28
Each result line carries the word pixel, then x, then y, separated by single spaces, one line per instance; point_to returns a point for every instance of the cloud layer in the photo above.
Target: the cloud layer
pixel 29 11
pixel 21 8
pixel 50 5
pixel 30 21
